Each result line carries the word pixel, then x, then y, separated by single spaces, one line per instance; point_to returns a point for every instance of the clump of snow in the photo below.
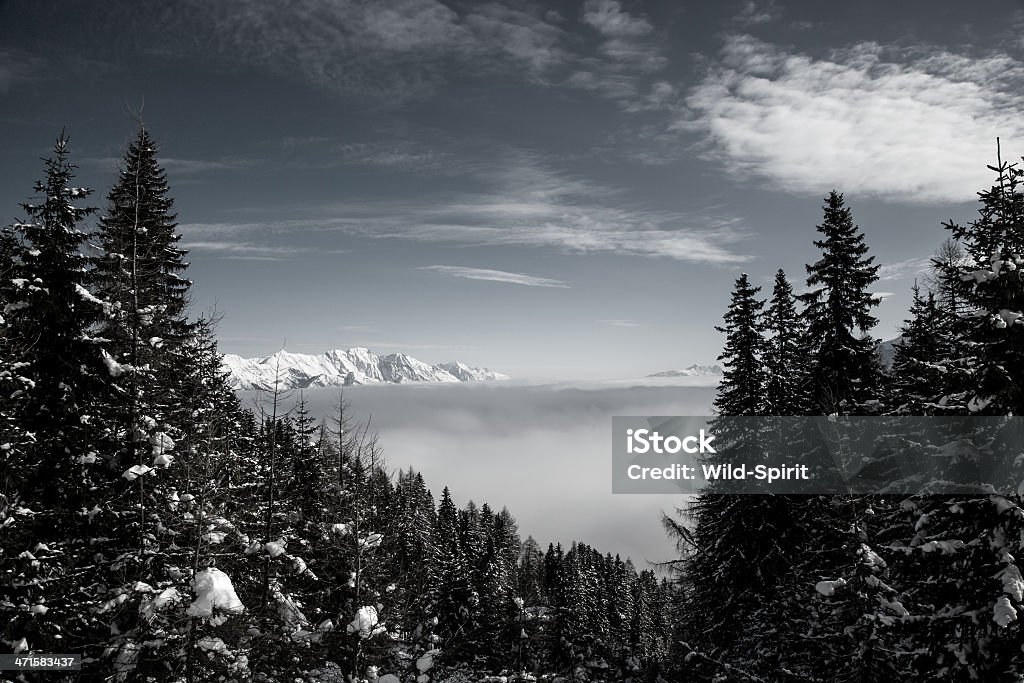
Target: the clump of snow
pixel 113 367
pixel 1003 612
pixel 213 590
pixel 340 529
pixel 275 548
pixel 86 295
pixel 149 608
pixel 162 447
pixel 371 541
pixel 1013 583
pixel 136 471
pixel 977 404
pixel 828 588
pixel 211 644
pixel 871 558
pixel 366 623
pixel 945 547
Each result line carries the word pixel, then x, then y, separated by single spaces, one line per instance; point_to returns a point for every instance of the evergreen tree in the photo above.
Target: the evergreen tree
pixel 786 356
pixel 728 554
pixel 846 373
pixel 451 586
pixel 50 324
pixel 140 276
pixel 921 358
pixel 962 550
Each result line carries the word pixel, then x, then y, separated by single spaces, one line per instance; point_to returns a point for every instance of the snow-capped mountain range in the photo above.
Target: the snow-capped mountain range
pixel 345 368
pixel 692 371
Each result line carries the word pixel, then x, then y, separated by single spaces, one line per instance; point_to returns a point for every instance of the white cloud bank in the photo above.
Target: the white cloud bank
pixel 902 125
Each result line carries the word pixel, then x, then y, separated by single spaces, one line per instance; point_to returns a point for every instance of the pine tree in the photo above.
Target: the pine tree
pixel 962 550
pixel 54 437
pixel 451 584
pixel 846 373
pixel 921 358
pixel 50 324
pixel 729 554
pixel 140 276
pixel 786 390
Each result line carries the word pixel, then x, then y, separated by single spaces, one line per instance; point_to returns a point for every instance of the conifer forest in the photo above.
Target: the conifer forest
pixel 154 525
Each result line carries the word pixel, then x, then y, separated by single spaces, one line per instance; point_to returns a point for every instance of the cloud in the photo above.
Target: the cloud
pixel 523 202
pixel 621 323
pixel 628 52
pixel 393 50
pixel 17 66
pixel 903 125
pixel 882 296
pixel 496 276
pixel 175 166
pixel 904 269
pixel 608 17
pixel 190 166
pixel 753 12
pixel 490 441
pixel 245 250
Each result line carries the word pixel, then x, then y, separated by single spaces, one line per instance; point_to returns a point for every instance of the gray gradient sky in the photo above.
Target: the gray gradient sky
pixel 551 190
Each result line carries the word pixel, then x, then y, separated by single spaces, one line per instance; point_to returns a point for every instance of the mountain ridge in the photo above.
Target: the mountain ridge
pixel 694 370
pixel 344 367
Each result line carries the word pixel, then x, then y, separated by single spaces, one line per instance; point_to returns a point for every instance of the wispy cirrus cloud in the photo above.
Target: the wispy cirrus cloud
pixel 390 49
pixel 904 125
pixel 523 202
pixel 497 276
pixel 628 52
pixel 17 66
pixel 904 269
pixel 175 166
pixel 246 250
pixel 621 323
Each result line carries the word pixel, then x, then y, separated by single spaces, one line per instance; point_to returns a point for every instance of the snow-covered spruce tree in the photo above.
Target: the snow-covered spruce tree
pixel 921 358
pixel 452 598
pixel 492 547
pixel 175 419
pixel 15 469
pixel 729 552
pixel 989 285
pixel 786 356
pixel 139 275
pixel 845 375
pixel 50 322
pixel 531 573
pixel 962 554
pixel 415 519
pixel 835 595
pixel 53 434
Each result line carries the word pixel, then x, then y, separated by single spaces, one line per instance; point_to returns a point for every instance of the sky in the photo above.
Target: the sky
pixel 553 190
